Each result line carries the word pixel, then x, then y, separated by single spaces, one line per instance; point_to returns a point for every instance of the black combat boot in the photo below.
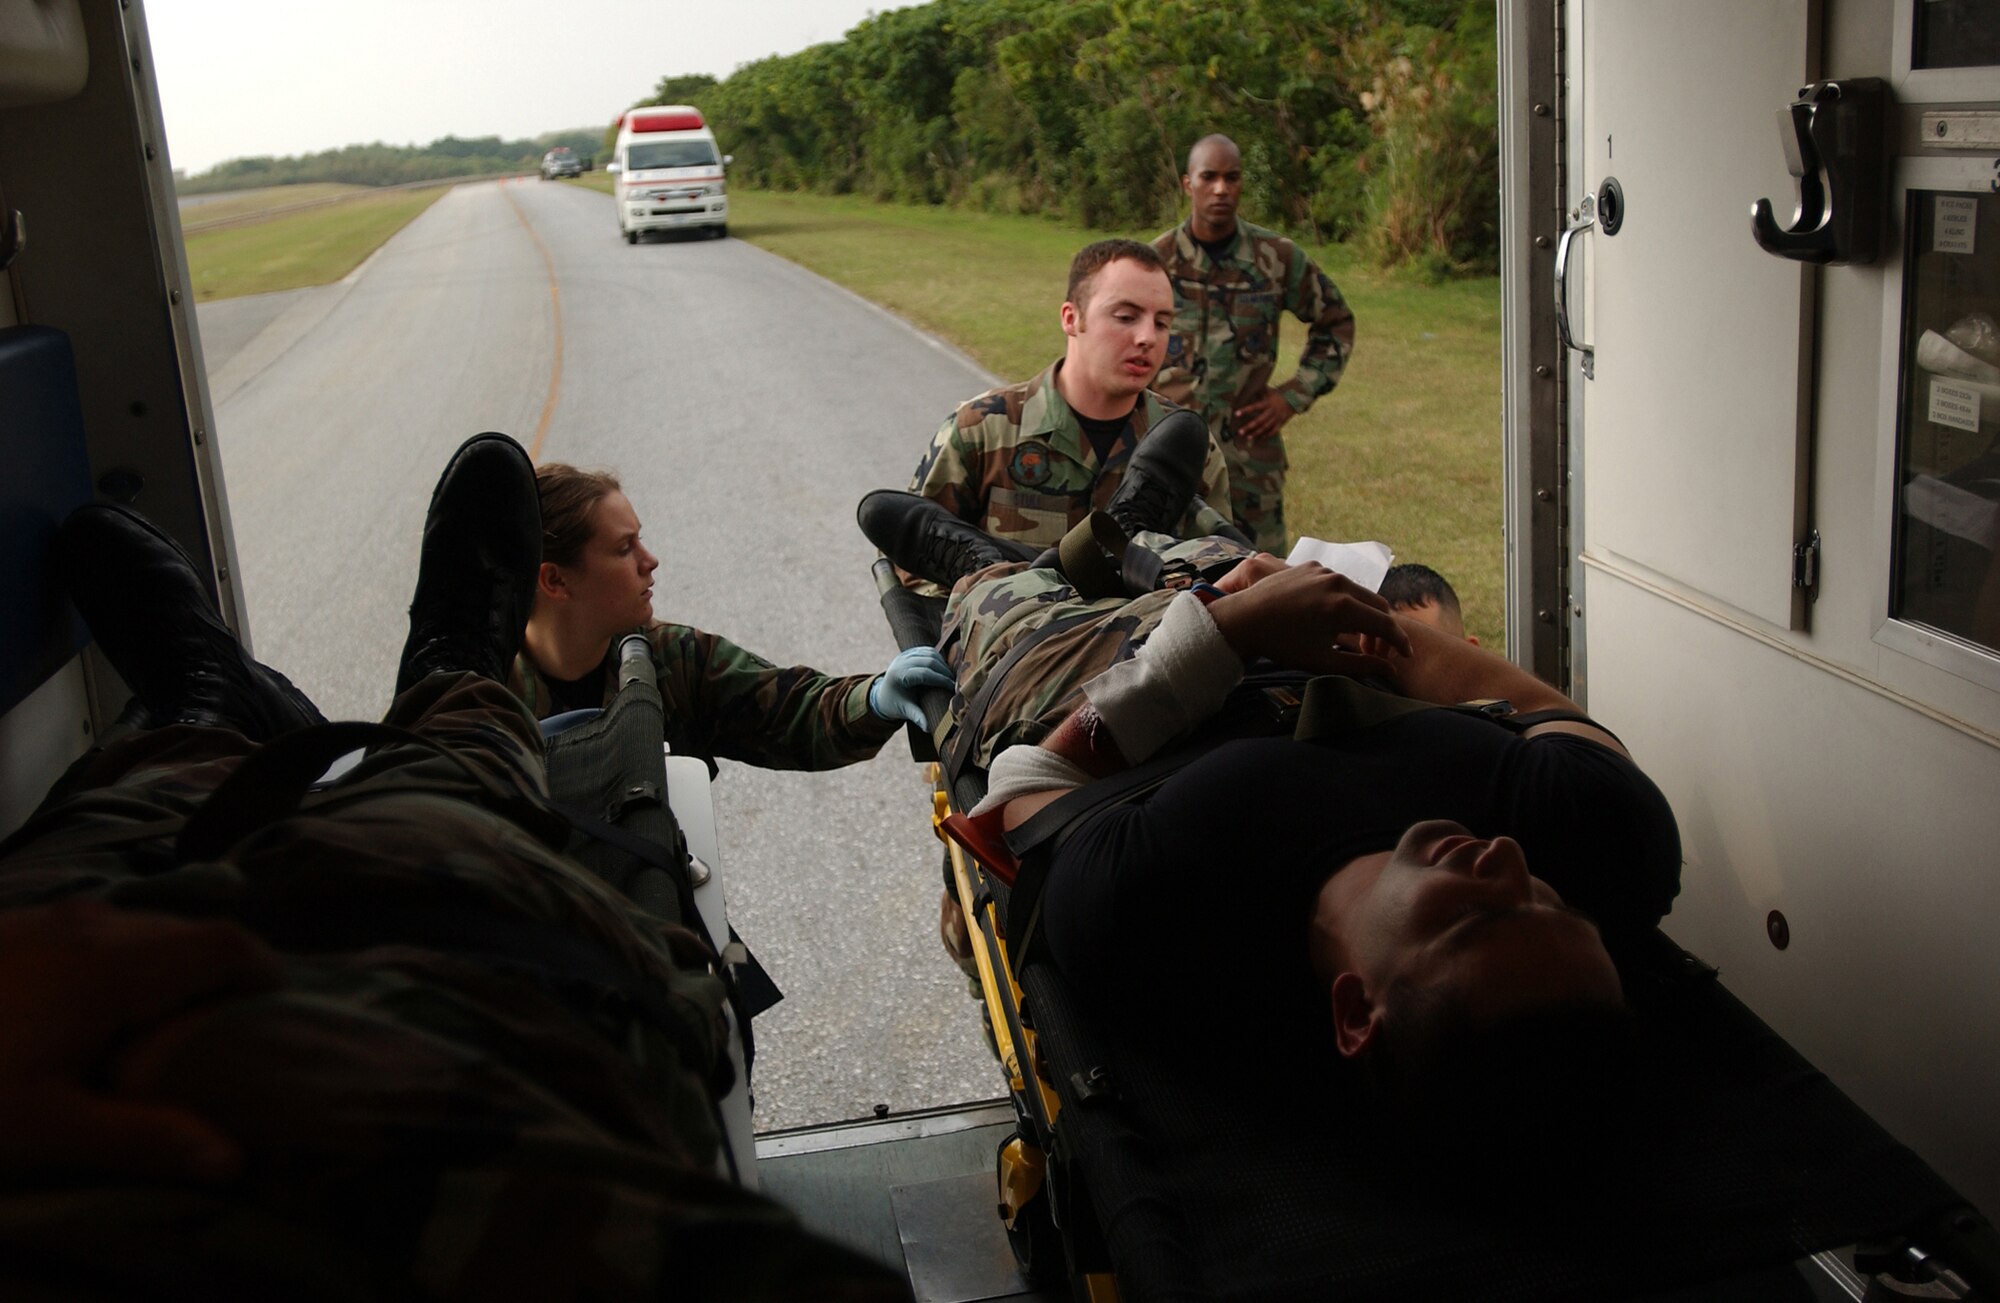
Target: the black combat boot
pixel 476 574
pixel 1162 477
pixel 923 538
pixel 146 605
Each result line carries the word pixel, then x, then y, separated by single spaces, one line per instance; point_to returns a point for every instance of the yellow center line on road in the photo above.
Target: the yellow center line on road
pixel 555 312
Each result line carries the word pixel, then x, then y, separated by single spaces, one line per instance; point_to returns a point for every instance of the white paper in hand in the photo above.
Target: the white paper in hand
pixel 1366 564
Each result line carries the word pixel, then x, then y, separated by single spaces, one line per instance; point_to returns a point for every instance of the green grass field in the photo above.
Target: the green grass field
pixel 252 202
pixel 1406 450
pixel 293 250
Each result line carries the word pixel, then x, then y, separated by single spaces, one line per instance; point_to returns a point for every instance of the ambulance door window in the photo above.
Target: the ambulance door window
pixel 1945 574
pixel 1955 34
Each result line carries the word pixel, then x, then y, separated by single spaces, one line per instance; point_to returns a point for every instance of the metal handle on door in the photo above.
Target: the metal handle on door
pixel 1586 217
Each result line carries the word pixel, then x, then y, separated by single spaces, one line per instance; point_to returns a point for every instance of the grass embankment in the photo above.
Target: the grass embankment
pixel 1406 450
pixel 293 250
pixel 261 202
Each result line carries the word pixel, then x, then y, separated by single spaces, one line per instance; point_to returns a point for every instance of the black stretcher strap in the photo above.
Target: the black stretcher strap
pixel 271 782
pixel 751 980
pixel 974 715
pixel 1093 556
pixel 1037 841
pixel 1334 705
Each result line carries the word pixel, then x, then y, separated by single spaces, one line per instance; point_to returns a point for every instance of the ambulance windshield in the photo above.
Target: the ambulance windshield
pixel 670 153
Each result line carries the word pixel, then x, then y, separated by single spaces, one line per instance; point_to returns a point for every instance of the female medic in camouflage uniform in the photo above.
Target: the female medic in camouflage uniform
pixel 596 585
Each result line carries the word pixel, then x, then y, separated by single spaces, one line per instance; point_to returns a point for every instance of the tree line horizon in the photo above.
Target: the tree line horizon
pixel 1372 123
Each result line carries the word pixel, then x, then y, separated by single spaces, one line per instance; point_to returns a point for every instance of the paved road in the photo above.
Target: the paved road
pixel 748 405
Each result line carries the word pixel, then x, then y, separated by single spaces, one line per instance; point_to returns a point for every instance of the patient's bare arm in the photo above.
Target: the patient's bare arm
pixel 1443 669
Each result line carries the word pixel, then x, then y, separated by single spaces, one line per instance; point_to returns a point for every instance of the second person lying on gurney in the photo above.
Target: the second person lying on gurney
pixel 1442 890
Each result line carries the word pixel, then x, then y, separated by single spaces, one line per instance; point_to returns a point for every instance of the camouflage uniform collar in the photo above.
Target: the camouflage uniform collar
pixel 1046 415
pixel 1193 249
pixel 1247 233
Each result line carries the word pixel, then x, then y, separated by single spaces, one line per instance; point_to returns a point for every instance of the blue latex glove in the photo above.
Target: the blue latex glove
pixel 893 695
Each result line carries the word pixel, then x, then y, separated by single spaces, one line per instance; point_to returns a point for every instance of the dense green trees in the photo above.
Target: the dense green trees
pixel 1358 119
pixel 1364 120
pixel 380 164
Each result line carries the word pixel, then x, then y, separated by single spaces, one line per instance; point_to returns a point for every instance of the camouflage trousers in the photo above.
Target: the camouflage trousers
pixel 1257 490
pixel 990 612
pixel 429 1107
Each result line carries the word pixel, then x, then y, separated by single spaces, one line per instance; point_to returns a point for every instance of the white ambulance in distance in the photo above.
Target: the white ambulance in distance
pixel 667 173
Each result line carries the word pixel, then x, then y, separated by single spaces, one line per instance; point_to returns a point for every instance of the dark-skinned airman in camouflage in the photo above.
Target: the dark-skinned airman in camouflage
pixel 1232 281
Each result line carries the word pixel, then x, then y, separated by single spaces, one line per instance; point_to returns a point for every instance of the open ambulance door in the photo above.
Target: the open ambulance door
pixel 1754 498
pixel 91 261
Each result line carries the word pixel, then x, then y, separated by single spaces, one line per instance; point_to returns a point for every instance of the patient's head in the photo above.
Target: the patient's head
pixel 1458 977
pixel 1426 596
pixel 1459 919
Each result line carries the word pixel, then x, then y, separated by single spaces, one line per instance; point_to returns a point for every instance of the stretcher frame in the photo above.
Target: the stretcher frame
pixel 1046 1211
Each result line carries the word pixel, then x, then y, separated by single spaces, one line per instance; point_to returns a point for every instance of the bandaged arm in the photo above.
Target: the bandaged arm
pixel 1179 677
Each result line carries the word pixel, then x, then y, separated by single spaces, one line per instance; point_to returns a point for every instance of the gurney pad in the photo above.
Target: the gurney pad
pixel 1255 1172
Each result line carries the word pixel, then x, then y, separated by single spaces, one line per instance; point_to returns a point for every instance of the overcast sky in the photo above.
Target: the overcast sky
pixel 245 77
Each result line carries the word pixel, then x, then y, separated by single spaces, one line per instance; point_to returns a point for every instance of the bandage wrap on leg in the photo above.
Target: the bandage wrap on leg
pixel 1024 770
pixel 1179 678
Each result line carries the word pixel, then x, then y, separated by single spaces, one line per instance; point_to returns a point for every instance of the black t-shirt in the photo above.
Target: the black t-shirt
pixel 1103 435
pixel 1217 250
pixel 586 693
pixel 1211 881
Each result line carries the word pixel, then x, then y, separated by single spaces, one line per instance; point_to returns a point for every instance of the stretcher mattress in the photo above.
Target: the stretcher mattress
pixel 1220 1176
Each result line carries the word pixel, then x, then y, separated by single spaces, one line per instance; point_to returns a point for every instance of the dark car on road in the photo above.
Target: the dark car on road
pixel 561 162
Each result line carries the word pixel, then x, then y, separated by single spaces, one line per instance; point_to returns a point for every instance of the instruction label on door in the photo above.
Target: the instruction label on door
pixel 1956 217
pixel 1954 405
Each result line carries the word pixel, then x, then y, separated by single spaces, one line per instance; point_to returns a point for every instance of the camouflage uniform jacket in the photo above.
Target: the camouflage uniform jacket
pixel 1015 462
pixel 428 1111
pixel 991 612
pixel 1225 336
pixel 724 701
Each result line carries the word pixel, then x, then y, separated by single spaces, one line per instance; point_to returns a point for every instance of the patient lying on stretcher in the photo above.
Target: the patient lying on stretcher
pixel 1439 890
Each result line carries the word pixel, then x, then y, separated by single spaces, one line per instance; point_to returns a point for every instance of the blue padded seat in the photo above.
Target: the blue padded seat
pixel 47 476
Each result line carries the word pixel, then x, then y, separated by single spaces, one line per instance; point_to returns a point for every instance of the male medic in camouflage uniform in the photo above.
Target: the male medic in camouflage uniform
pixel 379 1041
pixel 1026 462
pixel 1231 281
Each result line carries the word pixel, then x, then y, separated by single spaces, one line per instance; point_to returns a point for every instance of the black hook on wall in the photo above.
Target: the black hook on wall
pixel 1833 137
